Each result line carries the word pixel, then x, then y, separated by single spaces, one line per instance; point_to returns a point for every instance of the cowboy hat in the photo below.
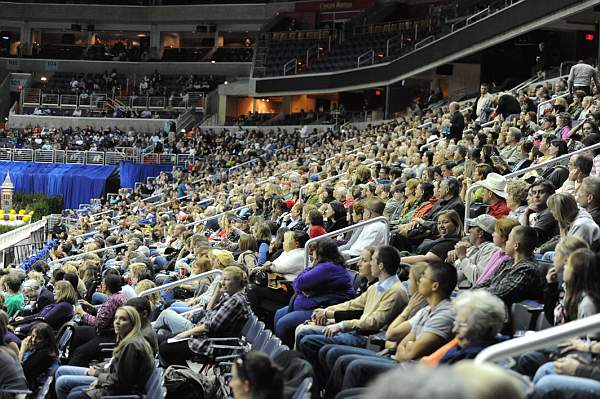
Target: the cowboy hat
pixel 496 184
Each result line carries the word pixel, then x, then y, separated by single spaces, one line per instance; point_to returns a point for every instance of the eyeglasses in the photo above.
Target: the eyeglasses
pixel 428 278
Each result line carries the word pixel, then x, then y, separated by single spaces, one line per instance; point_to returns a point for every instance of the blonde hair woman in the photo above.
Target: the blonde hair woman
pixel 130 368
pixel 573 220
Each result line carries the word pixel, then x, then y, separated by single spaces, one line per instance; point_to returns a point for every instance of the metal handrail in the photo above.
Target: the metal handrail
pixel 419 127
pixel 193 224
pixel 180 282
pixel 345 230
pixel 485 10
pixel 240 165
pixel 539 339
pixel 81 255
pixel 319 182
pixel 549 101
pixel 525 83
pixel 431 144
pixel 531 168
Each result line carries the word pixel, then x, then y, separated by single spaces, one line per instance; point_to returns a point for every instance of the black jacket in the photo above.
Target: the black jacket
pixel 45 298
pixel 128 373
pixel 457 125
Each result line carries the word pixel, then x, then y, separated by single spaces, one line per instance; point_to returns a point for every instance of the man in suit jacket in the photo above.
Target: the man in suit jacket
pixel 37 296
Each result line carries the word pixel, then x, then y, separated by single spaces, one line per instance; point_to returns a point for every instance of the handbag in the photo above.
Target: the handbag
pixel 271 280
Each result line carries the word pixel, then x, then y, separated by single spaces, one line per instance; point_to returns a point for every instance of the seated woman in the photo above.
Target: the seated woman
pixel 225 316
pixel 581 299
pixel 142 305
pixel 326 283
pixel 450 231
pixel 170 320
pixel 127 372
pixel 201 265
pixel 503 228
pixel 424 193
pixel 37 353
pixel 572 220
pixel 575 376
pixel 255 376
pixel 265 300
pixel 97 328
pixel 55 314
pixel 336 216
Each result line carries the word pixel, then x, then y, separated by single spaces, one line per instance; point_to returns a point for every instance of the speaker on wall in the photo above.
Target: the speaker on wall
pixel 76 28
pixel 90 28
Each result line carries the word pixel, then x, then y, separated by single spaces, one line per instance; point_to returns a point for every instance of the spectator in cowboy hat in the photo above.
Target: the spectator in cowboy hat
pixel 495 195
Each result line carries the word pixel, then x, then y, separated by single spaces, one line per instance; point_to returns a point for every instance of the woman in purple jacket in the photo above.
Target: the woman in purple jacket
pixel 55 314
pixel 325 284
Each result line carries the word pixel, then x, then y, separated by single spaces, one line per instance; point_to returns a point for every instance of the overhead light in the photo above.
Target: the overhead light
pixel 212 62
pixel 141 35
pixel 6 37
pixel 43 78
pixel 225 82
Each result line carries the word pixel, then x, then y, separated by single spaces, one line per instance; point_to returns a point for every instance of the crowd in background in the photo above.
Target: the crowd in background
pixel 372 302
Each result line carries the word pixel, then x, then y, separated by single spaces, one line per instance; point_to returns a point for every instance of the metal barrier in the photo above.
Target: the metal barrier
pixel 418 127
pixel 431 144
pixel 81 255
pixel 319 182
pixel 540 339
pixel 345 230
pixel 531 168
pixel 22 155
pixel 235 167
pixel 218 215
pixel 89 157
pixel 177 283
pixel 368 56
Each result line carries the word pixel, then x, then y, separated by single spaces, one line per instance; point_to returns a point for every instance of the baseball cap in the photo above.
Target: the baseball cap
pixel 486 223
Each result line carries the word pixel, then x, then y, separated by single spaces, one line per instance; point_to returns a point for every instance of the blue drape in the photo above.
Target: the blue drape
pixel 77 184
pixel 132 173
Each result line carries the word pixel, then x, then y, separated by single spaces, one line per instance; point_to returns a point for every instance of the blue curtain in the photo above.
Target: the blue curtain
pixel 77 184
pixel 132 173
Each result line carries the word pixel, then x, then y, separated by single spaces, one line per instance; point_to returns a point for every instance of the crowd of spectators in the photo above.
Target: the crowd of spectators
pixel 424 291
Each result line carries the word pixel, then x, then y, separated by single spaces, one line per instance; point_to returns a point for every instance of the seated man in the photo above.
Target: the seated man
pixel 372 234
pixel 225 316
pixel 519 278
pixel 37 297
pixel 471 258
pixel 419 336
pixel 537 214
pixel 379 305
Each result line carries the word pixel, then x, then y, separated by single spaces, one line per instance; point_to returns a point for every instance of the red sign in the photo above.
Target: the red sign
pixel 589 37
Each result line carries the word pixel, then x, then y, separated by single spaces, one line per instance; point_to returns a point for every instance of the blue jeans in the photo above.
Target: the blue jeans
pixel 179 307
pixel 98 298
pixel 71 381
pixel 310 341
pixel 361 370
pixel 170 320
pixel 333 371
pixel 286 323
pixel 550 385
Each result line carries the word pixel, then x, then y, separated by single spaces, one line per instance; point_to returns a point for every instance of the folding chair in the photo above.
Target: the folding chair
pixel 261 340
pixel 303 391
